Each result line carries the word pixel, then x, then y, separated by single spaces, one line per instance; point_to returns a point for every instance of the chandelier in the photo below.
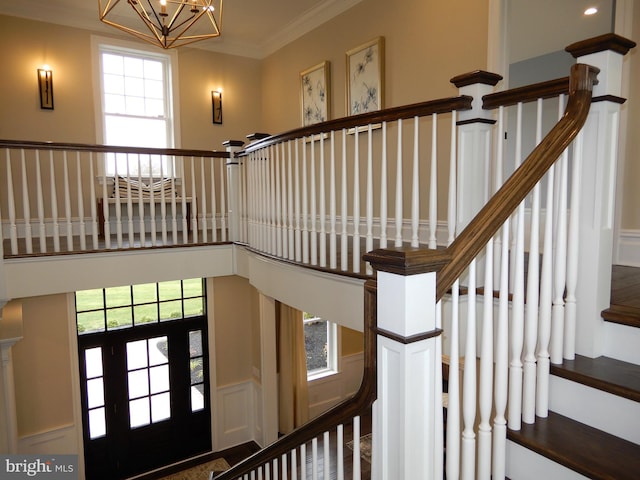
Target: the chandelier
pixel 164 23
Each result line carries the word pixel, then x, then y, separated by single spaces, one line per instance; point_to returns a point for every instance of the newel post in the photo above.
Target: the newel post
pixel 234 189
pixel 475 128
pixel 407 415
pixel 598 181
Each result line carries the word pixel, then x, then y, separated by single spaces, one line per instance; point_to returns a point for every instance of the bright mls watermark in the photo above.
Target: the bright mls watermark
pixel 52 467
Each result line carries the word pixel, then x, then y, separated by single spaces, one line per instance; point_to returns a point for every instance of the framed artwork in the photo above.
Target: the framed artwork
pixel 365 77
pixel 315 94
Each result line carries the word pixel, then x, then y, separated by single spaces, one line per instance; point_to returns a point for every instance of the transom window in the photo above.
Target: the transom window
pixel 321 344
pixel 137 109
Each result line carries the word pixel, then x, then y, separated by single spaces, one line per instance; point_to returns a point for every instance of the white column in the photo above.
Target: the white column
pixel 268 375
pixel 474 145
pixel 405 430
pixel 9 420
pixel 233 189
pixel 597 198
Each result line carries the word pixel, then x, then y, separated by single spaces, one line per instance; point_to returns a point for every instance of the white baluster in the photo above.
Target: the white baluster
pixel 298 230
pixel 274 465
pixel 399 191
pixel 195 201
pixel 453 390
pixel 383 189
pixel 322 209
pixel 326 455
pixel 294 464
pixel 333 260
pixel 502 362
pixel 314 459
pixel 284 212
pixel 152 208
pixel 174 207
pixel 356 204
pixel 214 193
pixel 498 183
pixel 340 452
pixel 116 191
pixel 105 204
pixel 25 204
pixel 284 466
pixel 11 206
pixel 204 228
pixel 469 382
pixel 451 204
pixel 272 202
pixel 486 370
pixel 433 184
pixel 573 244
pixel 312 202
pixel 369 197
pixel 142 233
pixel 344 237
pixel 415 189
pixel 163 206
pixel 356 449
pixel 92 197
pixel 223 201
pixel 79 182
pixel 303 462
pixel 560 264
pixel 290 190
pixel 276 200
pixel 67 201
pixel 305 206
pixel 129 202
pixel 42 234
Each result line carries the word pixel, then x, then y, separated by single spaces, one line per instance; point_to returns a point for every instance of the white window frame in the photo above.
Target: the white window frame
pixel 170 58
pixel 333 347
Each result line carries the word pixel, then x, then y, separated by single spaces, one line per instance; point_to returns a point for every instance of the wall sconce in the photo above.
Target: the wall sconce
pixel 45 84
pixel 216 104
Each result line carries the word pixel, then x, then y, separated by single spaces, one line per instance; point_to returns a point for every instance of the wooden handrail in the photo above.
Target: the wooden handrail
pixel 82 147
pixel 491 217
pixel 443 105
pixel 341 413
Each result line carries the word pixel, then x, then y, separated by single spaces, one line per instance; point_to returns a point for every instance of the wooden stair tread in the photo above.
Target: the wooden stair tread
pixel 606 374
pixel 625 296
pixel 623 314
pixel 586 450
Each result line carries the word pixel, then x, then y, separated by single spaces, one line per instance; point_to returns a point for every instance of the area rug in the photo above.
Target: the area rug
pixel 200 472
pixel 365 447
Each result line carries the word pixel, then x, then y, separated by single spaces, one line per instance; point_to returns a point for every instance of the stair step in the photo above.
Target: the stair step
pixel 586 450
pixel 623 314
pixel 625 296
pixel 603 373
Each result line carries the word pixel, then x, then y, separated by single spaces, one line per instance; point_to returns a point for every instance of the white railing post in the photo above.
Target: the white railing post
pixel 10 333
pixel 597 199
pixel 405 431
pixel 475 128
pixel 233 189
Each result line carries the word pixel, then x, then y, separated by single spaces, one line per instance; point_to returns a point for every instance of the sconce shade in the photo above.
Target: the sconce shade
pixel 45 86
pixel 216 105
pixel 164 23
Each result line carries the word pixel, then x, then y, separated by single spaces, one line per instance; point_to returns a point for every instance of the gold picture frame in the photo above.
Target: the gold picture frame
pixel 365 77
pixel 315 94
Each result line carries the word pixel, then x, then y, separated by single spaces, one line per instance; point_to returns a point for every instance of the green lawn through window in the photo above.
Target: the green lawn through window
pixel 127 306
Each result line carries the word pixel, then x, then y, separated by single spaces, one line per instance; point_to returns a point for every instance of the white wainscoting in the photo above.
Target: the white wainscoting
pixel 236 414
pixel 57 441
pixel 328 391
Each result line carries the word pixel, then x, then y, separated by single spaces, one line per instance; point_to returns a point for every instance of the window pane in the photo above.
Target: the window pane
pixel 193 287
pixel 119 318
pixel 89 322
pixel 93 362
pixel 118 296
pixel 170 290
pixel 316 337
pixel 137 355
pixel 89 300
pixel 144 293
pixel 97 423
pixel 171 310
pixel 159 378
pixel 145 314
pixel 134 106
pixel 113 84
pixel 195 343
pixel 160 407
pixel 153 69
pixel 193 306
pixel 154 108
pixel 153 89
pixel 133 66
pixel 126 131
pixel 197 398
pixel 139 414
pixel 95 393
pixel 197 372
pixel 138 383
pixel 158 351
pixel 112 63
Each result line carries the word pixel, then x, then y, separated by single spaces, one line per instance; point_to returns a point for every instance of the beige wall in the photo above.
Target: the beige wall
pixel 68 52
pixel 42 366
pixel 426 42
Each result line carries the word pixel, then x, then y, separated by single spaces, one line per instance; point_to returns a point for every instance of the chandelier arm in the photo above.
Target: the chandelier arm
pixel 153 28
pixel 175 16
pixel 110 5
pixel 155 14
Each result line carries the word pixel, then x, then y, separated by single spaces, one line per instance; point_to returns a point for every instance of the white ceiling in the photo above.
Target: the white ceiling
pixel 253 28
pixel 257 28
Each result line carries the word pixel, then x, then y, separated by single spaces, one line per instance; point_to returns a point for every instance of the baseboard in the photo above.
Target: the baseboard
pixel 628 248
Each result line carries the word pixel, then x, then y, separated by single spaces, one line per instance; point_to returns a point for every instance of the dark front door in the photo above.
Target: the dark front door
pixel 145 397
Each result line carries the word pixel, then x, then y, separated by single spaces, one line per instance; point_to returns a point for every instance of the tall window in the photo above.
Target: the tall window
pixel 137 108
pixel 321 344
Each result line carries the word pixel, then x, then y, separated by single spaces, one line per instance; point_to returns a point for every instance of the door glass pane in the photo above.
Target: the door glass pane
pixel 138 383
pixel 195 343
pixel 97 423
pixel 197 398
pixel 159 378
pixel 119 317
pixel 193 306
pixel 158 350
pixel 95 393
pixel 139 413
pixel 136 354
pixel 93 362
pixel 160 407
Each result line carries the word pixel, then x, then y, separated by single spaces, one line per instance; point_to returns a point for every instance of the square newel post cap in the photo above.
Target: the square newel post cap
pixel 607 42
pixel 233 143
pixel 254 137
pixel 476 84
pixel 407 260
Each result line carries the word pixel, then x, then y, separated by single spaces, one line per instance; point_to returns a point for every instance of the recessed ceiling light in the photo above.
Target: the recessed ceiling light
pixel 591 11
